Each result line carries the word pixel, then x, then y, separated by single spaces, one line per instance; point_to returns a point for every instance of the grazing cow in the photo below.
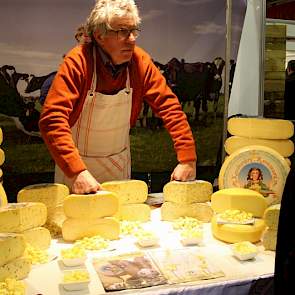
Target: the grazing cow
pixel 35 83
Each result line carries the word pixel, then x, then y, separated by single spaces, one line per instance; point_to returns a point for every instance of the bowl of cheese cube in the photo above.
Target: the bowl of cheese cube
pixel 244 250
pixel 74 256
pixel 74 280
pixel 191 236
pixel 146 238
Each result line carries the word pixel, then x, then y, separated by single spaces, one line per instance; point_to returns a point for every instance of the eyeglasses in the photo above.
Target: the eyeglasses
pixel 125 33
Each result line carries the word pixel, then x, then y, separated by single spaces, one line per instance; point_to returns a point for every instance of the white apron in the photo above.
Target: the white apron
pixel 101 134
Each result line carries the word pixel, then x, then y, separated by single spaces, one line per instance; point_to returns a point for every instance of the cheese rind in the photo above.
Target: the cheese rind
pixel 271 216
pixel 1 136
pixel 201 211
pixel 269 239
pixel 239 198
pixel 187 192
pixel 128 191
pixel 38 237
pixel 17 269
pixel 3 197
pixel 98 205
pixel 12 246
pixel 55 220
pixel 233 233
pixel 2 157
pixel 134 212
pixel 18 217
pixel 74 229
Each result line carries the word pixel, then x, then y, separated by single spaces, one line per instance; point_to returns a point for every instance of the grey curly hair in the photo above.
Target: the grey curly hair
pixel 105 11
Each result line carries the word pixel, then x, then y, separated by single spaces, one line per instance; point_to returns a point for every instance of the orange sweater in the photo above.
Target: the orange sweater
pixel 66 97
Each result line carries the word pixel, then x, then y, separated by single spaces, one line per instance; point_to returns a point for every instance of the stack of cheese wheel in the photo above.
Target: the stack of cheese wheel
pixel 271 219
pixel 187 199
pixel 91 215
pixel 272 133
pixel 238 199
pixel 3 197
pixel 52 195
pixel 131 194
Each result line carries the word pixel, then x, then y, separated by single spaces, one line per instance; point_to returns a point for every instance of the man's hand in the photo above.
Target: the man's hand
pixel 184 171
pixel 85 183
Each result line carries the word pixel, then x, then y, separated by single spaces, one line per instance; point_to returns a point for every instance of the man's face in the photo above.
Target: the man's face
pixel 119 48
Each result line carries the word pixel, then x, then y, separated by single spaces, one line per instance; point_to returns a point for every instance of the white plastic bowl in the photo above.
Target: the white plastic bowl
pixel 74 286
pixel 148 242
pixel 74 261
pixel 191 241
pixel 246 256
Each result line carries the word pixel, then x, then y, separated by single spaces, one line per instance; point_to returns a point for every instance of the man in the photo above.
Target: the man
pixel 97 95
pixel 289 96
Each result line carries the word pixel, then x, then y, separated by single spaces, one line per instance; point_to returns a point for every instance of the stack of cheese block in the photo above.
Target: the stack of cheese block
pixel 52 195
pixel 271 219
pixel 272 133
pixel 90 215
pixel 242 199
pixel 20 223
pixel 187 199
pixel 131 194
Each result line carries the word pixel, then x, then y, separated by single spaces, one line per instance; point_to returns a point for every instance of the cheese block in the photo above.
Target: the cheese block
pixel 74 229
pixel 260 128
pixel 2 157
pixel 3 197
pixel 233 233
pixel 271 216
pixel 187 192
pixel 38 237
pixel 100 204
pixel 128 191
pixel 12 246
pixel 269 239
pixel 285 147
pixel 201 211
pixel 134 212
pixel 50 194
pixel 18 217
pixel 17 269
pixel 239 198
pixel 55 220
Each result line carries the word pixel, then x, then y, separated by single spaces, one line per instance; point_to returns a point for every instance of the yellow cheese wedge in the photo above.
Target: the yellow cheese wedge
pixel 128 191
pixel 50 194
pixel 17 269
pixel 239 198
pixel 187 192
pixel 55 220
pixel 2 157
pixel 1 136
pixel 12 246
pixel 285 147
pixel 233 233
pixel 201 211
pixel 38 237
pixel 100 204
pixel 74 229
pixel 261 128
pixel 269 239
pixel 3 197
pixel 271 216
pixel 134 212
pixel 18 217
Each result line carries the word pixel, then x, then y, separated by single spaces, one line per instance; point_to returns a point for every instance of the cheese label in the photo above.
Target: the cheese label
pixel 259 168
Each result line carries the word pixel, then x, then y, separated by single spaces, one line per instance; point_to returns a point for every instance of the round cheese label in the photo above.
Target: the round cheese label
pixel 258 168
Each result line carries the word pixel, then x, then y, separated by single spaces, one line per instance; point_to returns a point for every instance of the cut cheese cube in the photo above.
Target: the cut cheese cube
pixel 201 211
pixel 134 212
pixel 18 217
pixel 38 237
pixel 17 269
pixel 285 147
pixel 128 191
pixel 233 233
pixel 239 198
pixel 187 192
pixel 3 197
pixel 261 128
pixel 55 220
pixel 100 204
pixel 269 239
pixel 12 246
pixel 74 229
pixel 271 216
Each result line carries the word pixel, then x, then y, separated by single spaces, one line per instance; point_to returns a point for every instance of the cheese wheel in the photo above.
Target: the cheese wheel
pixel 1 136
pixel 187 192
pixel 134 212
pixel 38 237
pixel 74 229
pixel 128 191
pixel 269 239
pixel 12 246
pixel 200 211
pixel 239 198
pixel 17 269
pixel 288 161
pixel 234 233
pixel 260 128
pixel 285 147
pixel 100 204
pixel 2 157
pixel 18 217
pixel 271 216
pixel 3 197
